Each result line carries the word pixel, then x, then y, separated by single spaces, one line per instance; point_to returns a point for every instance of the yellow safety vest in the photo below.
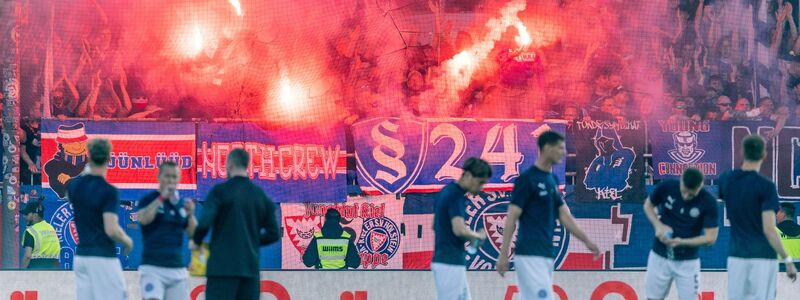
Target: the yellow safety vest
pixel 45 241
pixel 332 251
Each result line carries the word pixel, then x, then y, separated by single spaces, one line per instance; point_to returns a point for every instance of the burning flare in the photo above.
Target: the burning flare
pixel 191 41
pixel 523 39
pixel 460 69
pixel 237 6
pixel 292 97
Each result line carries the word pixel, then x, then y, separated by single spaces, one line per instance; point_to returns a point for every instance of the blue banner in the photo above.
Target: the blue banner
pixel 610 160
pixel 782 163
pixel 291 165
pixel 396 155
pixel 678 145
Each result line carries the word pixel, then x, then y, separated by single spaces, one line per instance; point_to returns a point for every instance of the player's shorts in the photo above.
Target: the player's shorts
pixel 163 283
pixel 661 272
pixel 752 278
pixel 534 276
pixel 99 278
pixel 451 282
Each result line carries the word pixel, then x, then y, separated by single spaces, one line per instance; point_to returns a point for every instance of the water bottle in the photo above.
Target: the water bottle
pixel 473 246
pixel 176 197
pixel 670 249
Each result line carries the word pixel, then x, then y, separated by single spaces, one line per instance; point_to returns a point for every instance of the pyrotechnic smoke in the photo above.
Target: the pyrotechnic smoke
pixel 460 68
pixel 237 57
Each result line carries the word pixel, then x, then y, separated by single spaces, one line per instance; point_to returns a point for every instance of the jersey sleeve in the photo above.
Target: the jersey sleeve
pixel 522 191
pixel 723 179
pixel 112 200
pixel 455 208
pixel 711 214
pixel 207 215
pixel 658 194
pixel 145 201
pixel 269 231
pixel 770 201
pixel 559 197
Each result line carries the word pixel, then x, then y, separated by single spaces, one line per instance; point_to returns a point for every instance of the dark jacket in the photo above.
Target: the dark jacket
pixel 789 228
pixel 243 219
pixel 332 230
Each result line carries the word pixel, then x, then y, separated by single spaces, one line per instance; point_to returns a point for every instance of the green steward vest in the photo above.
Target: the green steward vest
pixel 45 241
pixel 332 251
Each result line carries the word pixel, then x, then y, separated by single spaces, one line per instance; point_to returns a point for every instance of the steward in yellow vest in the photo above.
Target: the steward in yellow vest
pixel 332 247
pixel 40 242
pixel 788 229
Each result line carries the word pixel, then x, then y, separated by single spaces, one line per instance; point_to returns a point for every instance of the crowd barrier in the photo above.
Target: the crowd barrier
pixel 387 285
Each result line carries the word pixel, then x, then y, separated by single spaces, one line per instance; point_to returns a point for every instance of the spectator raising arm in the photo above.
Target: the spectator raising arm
pixel 779 29
pixel 71 105
pixel 127 106
pixel 86 108
pixel 698 19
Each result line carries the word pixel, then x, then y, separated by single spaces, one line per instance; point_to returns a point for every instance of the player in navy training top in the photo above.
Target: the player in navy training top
pixel 536 202
pixel 449 263
pixel 165 217
pixel 684 216
pixel 98 272
pixel 751 201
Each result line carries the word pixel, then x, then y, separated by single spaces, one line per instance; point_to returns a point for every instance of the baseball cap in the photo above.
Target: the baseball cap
pixel 33 207
pixel 333 214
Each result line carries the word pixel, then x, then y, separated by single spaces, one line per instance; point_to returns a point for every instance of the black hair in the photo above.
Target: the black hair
pixel 239 158
pixel 477 167
pixel 549 138
pixel 692 178
pixel 788 209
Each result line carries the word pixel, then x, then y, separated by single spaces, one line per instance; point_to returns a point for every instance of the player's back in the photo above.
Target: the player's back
pixel 243 209
pixel 91 196
pixel 747 194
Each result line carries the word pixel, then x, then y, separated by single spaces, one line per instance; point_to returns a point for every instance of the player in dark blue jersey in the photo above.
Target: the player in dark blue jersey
pixel 449 263
pixel 684 216
pixel 164 218
pixel 536 202
pixel 751 201
pixel 98 272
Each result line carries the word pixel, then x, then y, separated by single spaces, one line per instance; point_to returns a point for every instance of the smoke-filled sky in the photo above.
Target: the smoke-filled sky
pixel 319 61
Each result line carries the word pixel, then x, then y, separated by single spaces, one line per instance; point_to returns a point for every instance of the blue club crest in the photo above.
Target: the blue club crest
pixel 395 154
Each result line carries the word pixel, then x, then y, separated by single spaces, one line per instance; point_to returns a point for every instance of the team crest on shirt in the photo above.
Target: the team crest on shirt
pixel 694 212
pixel 489 211
pixel 63 222
pixel 379 239
pixel 301 230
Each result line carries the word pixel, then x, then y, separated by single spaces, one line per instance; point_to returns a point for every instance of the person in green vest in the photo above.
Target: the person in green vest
pixel 332 247
pixel 788 229
pixel 42 248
